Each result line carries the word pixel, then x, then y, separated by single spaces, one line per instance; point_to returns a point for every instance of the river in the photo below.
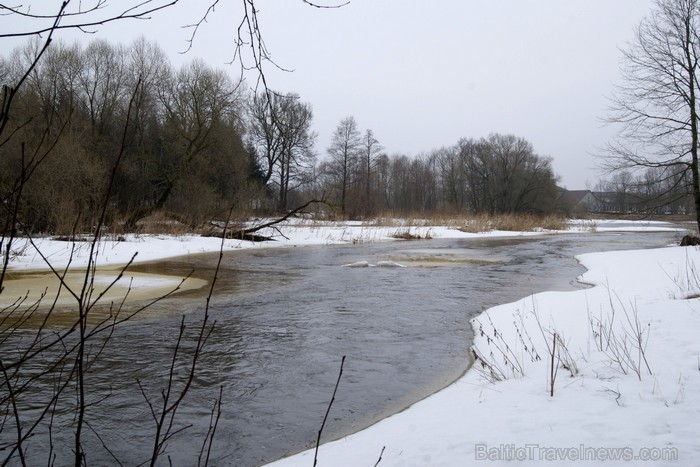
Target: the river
pixel 284 319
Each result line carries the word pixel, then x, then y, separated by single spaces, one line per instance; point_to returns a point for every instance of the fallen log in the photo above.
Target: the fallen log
pixel 249 232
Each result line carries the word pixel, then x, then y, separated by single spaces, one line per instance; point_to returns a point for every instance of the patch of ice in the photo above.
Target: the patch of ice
pixel 389 264
pixel 357 264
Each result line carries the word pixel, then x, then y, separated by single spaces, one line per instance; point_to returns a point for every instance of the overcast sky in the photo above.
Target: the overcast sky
pixel 423 74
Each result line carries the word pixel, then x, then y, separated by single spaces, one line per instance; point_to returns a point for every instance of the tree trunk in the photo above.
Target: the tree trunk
pixel 693 117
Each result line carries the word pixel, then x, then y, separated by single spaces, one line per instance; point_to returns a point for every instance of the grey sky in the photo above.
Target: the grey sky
pixel 423 74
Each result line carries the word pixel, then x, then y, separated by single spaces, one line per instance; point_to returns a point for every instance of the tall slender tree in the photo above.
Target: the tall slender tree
pixel 344 150
pixel 369 152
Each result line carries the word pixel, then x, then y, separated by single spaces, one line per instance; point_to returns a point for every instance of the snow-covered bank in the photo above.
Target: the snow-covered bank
pixel 626 389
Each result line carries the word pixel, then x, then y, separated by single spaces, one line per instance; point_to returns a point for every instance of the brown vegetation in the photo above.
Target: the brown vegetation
pixel 475 223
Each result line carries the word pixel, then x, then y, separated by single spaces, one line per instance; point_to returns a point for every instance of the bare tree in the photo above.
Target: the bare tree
pixel 280 130
pixel 370 151
pixel 102 84
pixel 503 174
pixel 298 157
pixel 344 150
pixel 451 176
pixel 656 106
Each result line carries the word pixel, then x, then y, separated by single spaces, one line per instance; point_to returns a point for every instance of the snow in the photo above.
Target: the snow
pixel 626 358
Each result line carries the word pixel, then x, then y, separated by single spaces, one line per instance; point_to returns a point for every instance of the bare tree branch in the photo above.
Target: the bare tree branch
pixel 82 17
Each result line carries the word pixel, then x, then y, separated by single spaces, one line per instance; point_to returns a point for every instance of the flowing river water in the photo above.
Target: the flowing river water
pixel 284 319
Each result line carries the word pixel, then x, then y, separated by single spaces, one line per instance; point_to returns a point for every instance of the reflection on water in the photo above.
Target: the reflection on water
pixel 284 318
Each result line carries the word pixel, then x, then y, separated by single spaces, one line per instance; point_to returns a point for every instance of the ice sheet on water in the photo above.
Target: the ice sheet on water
pixel 379 264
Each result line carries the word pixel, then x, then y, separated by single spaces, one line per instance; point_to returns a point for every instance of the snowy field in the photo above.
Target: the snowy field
pixel 608 375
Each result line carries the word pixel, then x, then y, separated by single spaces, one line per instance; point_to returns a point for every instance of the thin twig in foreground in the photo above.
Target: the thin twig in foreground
pixel 380 456
pixel 337 383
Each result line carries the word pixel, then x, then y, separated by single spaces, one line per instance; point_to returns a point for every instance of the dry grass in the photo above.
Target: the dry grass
pixel 475 223
pixel 408 235
pixel 160 223
pixel 513 222
pixel 390 220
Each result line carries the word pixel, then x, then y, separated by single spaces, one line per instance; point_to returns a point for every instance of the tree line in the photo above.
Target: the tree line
pixel 179 132
pixel 194 142
pixel 495 175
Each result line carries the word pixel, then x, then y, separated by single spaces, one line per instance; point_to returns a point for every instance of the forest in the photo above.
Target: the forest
pixel 192 142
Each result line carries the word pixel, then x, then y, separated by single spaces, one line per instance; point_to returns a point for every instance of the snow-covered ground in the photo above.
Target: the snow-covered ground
pixel 624 388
